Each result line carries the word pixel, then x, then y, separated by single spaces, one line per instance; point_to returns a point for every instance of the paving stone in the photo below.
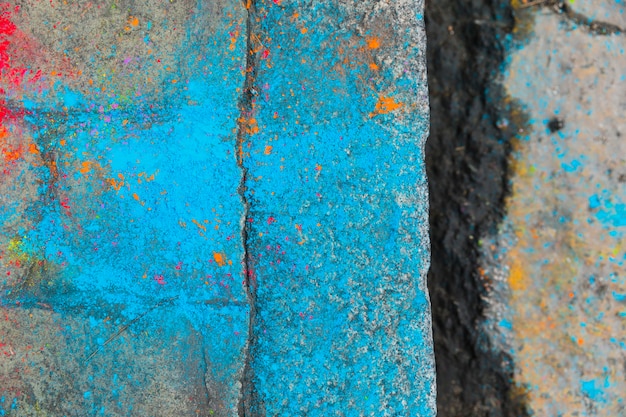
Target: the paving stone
pixel 338 210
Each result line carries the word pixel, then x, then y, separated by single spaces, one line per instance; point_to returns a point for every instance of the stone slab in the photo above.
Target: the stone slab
pixel 338 210
pixel 557 265
pixel 120 221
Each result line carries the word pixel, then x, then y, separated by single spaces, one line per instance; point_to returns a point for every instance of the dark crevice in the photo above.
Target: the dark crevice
pixel 248 404
pixel 597 27
pixel 467 161
pixel 206 382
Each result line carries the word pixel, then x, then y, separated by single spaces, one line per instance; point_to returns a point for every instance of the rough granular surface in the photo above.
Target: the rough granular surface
pixel 214 209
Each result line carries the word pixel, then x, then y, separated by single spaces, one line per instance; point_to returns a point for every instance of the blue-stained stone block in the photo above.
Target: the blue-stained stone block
pixel 121 232
pixel 214 209
pixel 337 223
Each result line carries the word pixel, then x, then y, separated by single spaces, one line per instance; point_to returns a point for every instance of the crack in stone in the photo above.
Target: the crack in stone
pixel 561 8
pixel 205 376
pixel 245 129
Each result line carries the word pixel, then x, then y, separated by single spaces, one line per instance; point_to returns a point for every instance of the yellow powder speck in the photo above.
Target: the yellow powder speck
pixel 517 279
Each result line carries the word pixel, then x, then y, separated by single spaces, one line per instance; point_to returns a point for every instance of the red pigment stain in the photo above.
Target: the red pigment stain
pixel 159 279
pixel 11 39
pixel 7 28
pixel 65 203
pixel 10 75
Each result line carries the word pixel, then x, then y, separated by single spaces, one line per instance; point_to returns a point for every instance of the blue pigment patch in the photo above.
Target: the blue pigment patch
pixel 506 324
pixel 136 226
pixel 338 218
pixel 571 167
pixel 619 297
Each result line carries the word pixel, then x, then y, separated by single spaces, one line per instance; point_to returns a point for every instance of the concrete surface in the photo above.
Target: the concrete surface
pixel 121 246
pixel 556 267
pixel 213 208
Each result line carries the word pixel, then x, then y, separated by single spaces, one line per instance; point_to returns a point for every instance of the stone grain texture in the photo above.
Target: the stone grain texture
pixel 120 222
pixel 557 262
pixel 337 227
pixel 214 209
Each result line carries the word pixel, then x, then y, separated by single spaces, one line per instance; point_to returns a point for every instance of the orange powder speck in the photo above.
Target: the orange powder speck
pixel 304 30
pixel 581 341
pixel 3 132
pixel 373 43
pixel 219 258
pixel 200 225
pixel 268 150
pixel 250 126
pixel 134 22
pixel 233 40
pixel 116 185
pixel 135 196
pixel 85 167
pixel 32 148
pixel 12 154
pixel 385 105
pixel 374 67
